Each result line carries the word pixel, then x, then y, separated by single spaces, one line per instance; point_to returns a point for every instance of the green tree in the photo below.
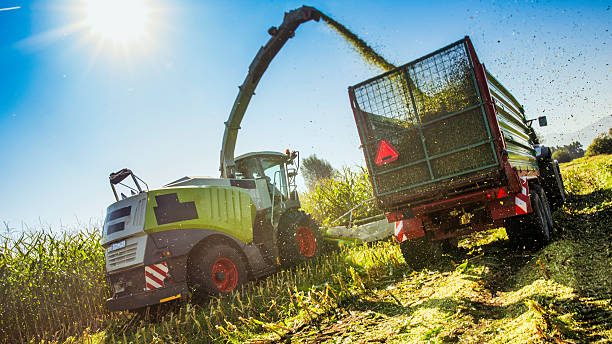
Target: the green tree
pixel 601 145
pixel 561 155
pixel 315 170
pixel 574 149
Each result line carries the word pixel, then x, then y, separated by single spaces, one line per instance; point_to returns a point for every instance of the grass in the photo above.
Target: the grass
pixel 588 174
pixel 488 291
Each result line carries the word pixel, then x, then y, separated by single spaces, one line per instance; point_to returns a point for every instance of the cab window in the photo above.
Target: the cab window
pixel 272 168
pixel 247 169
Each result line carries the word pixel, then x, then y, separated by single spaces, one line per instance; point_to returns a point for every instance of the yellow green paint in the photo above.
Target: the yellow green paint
pixel 221 208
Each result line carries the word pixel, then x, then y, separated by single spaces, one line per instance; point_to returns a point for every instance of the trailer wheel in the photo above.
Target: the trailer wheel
pixel 515 229
pixel 559 196
pixel 217 269
pixel 448 246
pixel 529 230
pixel 552 182
pixel 419 252
pixel 538 231
pixel 545 206
pixel 299 238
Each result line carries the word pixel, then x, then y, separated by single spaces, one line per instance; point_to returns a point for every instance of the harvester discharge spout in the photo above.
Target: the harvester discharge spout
pixel 280 35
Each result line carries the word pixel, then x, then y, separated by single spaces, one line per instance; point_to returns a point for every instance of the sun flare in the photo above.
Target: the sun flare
pixel 120 21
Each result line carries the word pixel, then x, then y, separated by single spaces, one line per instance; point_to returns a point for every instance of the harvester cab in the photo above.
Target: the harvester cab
pixel 278 169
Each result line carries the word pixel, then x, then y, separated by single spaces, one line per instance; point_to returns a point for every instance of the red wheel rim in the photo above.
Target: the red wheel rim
pixel 307 243
pixel 224 275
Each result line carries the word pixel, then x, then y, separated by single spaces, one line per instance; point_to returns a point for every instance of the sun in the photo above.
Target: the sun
pixel 120 21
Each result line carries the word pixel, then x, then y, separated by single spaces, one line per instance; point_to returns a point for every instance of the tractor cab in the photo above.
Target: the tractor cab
pixel 278 169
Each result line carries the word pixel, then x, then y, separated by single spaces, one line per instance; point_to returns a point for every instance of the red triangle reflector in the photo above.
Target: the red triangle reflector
pixel 386 153
pixel 502 193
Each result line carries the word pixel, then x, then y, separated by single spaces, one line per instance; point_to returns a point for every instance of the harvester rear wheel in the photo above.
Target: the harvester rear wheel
pixel 299 238
pixel 217 269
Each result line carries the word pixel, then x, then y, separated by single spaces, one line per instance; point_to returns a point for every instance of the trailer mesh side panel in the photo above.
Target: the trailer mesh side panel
pixel 431 112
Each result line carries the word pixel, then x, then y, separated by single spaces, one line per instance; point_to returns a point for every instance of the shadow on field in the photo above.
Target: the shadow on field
pixel 579 256
pixel 581 237
pixel 590 199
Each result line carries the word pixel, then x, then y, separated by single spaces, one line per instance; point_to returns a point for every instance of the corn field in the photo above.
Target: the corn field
pixel 51 286
pixel 331 198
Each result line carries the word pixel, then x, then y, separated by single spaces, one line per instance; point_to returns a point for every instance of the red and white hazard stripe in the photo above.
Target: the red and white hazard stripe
pixel 399 231
pixel 521 200
pixel 155 275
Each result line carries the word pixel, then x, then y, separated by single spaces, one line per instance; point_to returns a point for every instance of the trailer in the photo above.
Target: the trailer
pixel 450 151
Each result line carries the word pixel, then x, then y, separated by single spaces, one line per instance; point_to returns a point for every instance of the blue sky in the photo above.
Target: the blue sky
pixel 74 108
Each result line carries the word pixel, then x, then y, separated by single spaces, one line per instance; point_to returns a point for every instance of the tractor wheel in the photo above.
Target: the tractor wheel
pixel 299 238
pixel 552 182
pixel 217 269
pixel 529 230
pixel 420 252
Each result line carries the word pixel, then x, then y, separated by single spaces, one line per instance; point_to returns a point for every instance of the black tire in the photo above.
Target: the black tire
pixel 420 252
pixel 539 231
pixel 299 238
pixel 529 230
pixel 545 206
pixel 448 246
pixel 515 229
pixel 556 189
pixel 561 186
pixel 217 269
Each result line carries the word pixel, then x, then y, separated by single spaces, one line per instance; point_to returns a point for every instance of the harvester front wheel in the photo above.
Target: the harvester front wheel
pixel 217 269
pixel 299 238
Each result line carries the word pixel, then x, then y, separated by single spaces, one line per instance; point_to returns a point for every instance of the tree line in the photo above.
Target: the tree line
pixel 602 144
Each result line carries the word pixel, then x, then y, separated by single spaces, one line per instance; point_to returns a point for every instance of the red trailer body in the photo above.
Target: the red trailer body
pixel 449 149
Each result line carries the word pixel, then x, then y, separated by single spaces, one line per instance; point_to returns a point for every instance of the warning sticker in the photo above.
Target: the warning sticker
pixel 386 153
